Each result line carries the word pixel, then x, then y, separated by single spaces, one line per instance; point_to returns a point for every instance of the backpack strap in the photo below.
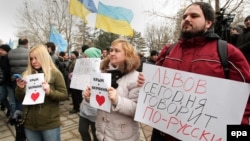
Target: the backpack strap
pixel 166 54
pixel 169 49
pixel 222 51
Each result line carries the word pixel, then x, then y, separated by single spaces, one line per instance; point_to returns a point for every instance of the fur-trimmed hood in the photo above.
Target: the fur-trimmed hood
pixel 129 65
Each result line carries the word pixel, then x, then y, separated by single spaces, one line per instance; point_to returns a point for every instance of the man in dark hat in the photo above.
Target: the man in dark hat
pixel 153 57
pixel 243 42
pixel 5 81
pixel 75 94
pixel 5 48
pixel 235 32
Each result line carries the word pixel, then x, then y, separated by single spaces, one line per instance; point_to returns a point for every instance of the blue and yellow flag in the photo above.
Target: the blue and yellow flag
pixel 57 39
pixel 82 8
pixel 114 19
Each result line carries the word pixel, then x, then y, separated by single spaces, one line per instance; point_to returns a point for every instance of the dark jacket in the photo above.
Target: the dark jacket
pixel 150 61
pixel 45 116
pixel 243 43
pixel 5 71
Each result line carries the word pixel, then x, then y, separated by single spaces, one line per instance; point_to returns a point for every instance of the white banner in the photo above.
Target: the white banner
pixel 83 70
pixel 190 106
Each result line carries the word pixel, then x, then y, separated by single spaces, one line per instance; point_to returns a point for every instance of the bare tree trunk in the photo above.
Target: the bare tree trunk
pixel 217 5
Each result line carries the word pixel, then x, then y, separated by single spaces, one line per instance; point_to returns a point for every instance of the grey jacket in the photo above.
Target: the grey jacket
pixel 18 59
pixel 119 124
pixel 87 111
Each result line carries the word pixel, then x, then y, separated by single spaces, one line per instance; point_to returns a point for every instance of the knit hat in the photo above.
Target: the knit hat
pixel 5 47
pixel 238 29
pixel 93 52
pixel 247 18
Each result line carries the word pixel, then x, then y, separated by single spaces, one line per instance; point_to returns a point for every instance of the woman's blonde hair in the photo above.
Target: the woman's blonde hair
pixel 43 57
pixel 132 60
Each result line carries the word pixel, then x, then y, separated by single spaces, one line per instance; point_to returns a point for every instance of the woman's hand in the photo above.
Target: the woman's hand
pixel 86 93
pixel 46 87
pixel 140 80
pixel 112 95
pixel 20 83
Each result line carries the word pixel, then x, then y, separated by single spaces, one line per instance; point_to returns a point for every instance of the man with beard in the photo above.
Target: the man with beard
pixel 196 52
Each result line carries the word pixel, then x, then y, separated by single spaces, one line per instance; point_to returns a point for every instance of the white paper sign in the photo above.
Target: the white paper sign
pixel 99 96
pixel 34 90
pixel 190 106
pixel 83 69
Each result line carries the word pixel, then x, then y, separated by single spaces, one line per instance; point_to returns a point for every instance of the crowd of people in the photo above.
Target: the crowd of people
pixel 197 42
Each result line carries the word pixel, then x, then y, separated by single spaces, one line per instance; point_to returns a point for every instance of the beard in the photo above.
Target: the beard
pixel 190 34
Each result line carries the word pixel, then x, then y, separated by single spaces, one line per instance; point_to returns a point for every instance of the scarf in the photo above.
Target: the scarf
pixel 115 75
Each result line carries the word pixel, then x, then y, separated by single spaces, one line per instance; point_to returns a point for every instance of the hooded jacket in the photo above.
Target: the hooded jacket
pixel 119 124
pixel 200 55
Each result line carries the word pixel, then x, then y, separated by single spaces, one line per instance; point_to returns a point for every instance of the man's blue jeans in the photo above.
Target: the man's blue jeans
pixel 3 97
pixel 43 135
pixel 10 102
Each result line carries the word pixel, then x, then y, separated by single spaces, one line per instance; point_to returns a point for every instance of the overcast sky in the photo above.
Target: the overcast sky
pixel 7 16
pixel 8 11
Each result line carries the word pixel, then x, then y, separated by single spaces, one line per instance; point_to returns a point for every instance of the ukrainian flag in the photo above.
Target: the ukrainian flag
pixel 56 37
pixel 82 8
pixel 114 19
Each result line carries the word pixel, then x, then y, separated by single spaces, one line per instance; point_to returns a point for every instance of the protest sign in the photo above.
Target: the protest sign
pixel 190 106
pixel 99 95
pixel 83 69
pixel 34 90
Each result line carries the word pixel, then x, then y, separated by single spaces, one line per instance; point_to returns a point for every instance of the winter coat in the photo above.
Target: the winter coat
pixel 46 115
pixel 149 61
pixel 243 43
pixel 18 59
pixel 5 76
pixel 200 55
pixel 87 111
pixel 119 124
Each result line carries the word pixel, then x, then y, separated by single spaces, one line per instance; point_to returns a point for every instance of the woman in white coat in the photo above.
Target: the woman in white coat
pixel 119 124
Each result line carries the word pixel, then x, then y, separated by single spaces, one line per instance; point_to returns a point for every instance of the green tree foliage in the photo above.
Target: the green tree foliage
pixel 104 39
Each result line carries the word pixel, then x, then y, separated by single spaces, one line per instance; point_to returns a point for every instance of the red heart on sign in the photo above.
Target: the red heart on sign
pixel 34 96
pixel 100 99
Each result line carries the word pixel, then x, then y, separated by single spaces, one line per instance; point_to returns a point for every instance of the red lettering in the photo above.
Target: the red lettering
pixel 177 82
pixel 192 133
pixel 201 87
pixel 172 120
pixel 156 117
pixel 219 139
pixel 189 131
pixel 151 110
pixel 186 84
pixel 203 135
pixel 166 79
pixel 183 128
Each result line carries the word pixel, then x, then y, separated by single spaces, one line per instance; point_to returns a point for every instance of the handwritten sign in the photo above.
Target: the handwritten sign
pixel 83 69
pixel 34 90
pixel 99 96
pixel 190 106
